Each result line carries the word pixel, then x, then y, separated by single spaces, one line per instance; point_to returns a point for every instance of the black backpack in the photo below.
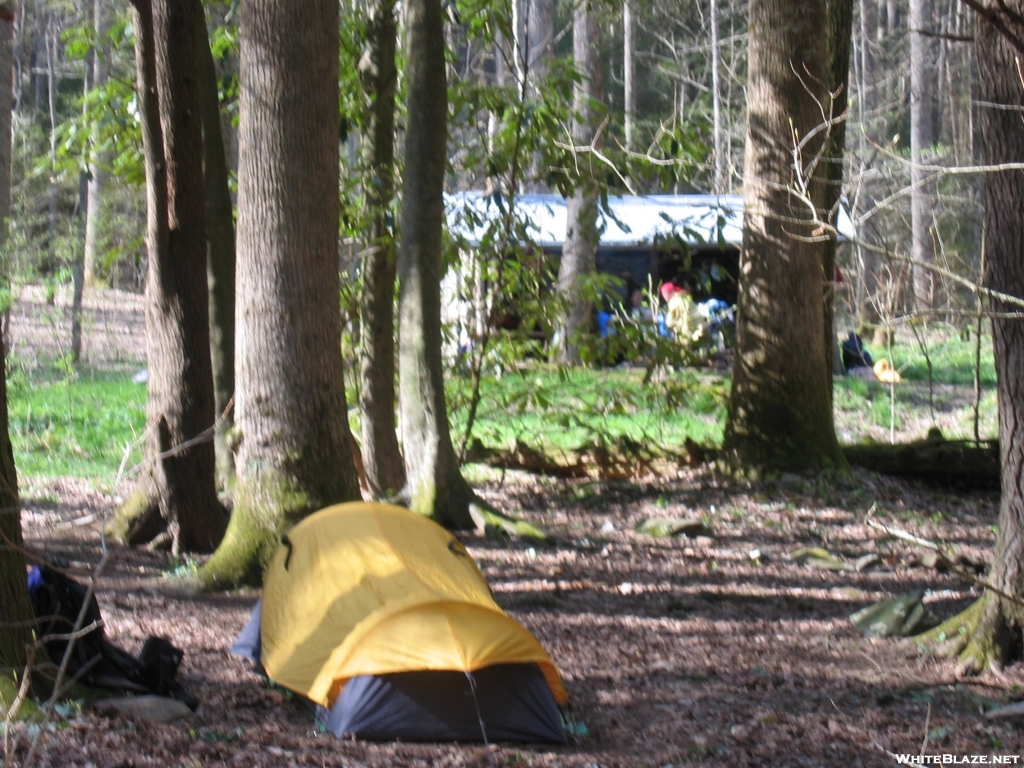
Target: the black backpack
pixel 854 354
pixel 57 601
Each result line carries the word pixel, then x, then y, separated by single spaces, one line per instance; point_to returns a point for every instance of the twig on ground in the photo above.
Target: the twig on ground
pixel 927 723
pixel 946 558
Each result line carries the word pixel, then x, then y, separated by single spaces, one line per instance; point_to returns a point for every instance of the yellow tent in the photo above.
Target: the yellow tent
pixel 372 589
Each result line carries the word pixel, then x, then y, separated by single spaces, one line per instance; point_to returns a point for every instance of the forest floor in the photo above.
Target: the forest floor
pixel 674 651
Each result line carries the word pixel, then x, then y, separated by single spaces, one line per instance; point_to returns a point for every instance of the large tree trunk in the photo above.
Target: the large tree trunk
pixel 991 632
pixel 435 486
pixel 294 452
pixel 95 210
pixel 220 252
pixel 16 631
pixel 579 251
pixel 922 115
pixel 177 488
pixel 16 615
pixel 382 457
pixel 780 414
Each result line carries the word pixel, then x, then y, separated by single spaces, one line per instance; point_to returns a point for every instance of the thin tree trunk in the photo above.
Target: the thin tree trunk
pixel 540 33
pixel 780 414
pixel 539 49
pixel 382 457
pixel 581 236
pixel 82 214
pixel 294 451
pixel 869 283
pixel 435 486
pixel 922 84
pixel 51 92
pixel 840 37
pixel 78 278
pixel 629 73
pixel 179 487
pixel 718 185
pixel 95 216
pixel 220 252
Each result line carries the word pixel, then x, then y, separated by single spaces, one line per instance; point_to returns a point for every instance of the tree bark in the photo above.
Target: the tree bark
pixel 990 633
pixel 718 186
pixel 922 86
pixel 579 251
pixel 840 38
pixel 435 487
pixel 780 414
pixel 178 484
pixel 95 210
pixel 16 613
pixel 869 284
pixel 52 86
pixel 629 74
pixel 382 457
pixel 220 252
pixel 294 452
pixel 538 49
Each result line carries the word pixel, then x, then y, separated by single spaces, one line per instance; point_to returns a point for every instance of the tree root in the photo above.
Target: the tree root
pixel 491 521
pixel 980 637
pixel 137 521
pixel 265 507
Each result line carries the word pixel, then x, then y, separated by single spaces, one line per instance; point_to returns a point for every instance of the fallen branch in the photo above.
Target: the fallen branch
pixel 945 557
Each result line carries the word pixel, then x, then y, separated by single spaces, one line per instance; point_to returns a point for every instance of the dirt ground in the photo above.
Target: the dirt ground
pixel 674 651
pixel 113 327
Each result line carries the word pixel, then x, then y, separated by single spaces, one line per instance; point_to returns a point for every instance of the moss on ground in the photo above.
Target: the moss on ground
pixel 9 694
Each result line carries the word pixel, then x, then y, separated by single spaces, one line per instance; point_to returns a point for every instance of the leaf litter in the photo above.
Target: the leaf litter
pixel 675 650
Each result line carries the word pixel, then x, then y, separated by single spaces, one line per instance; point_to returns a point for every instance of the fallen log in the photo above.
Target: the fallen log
pixel 623 460
pixel 957 463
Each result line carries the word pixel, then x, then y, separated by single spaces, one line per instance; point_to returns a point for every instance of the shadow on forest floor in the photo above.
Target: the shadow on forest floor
pixel 675 651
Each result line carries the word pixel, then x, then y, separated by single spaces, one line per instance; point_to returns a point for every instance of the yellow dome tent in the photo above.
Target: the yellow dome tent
pixel 362 595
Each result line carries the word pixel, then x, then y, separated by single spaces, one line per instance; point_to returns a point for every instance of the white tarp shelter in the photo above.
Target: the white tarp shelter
pixel 634 220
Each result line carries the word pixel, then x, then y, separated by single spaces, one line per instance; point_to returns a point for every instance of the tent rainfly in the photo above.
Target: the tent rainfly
pixel 381 617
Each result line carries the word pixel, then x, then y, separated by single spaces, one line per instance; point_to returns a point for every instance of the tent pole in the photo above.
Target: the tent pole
pixel 479 716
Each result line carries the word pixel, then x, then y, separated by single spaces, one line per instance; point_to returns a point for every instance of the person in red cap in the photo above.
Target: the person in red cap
pixel 682 317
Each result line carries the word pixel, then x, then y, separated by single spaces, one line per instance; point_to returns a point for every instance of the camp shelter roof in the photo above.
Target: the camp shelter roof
pixel 635 220
pixel 371 589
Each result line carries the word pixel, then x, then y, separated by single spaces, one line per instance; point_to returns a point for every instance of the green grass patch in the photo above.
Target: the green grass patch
pixel 863 409
pixel 564 409
pixel 950 349
pixel 75 425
